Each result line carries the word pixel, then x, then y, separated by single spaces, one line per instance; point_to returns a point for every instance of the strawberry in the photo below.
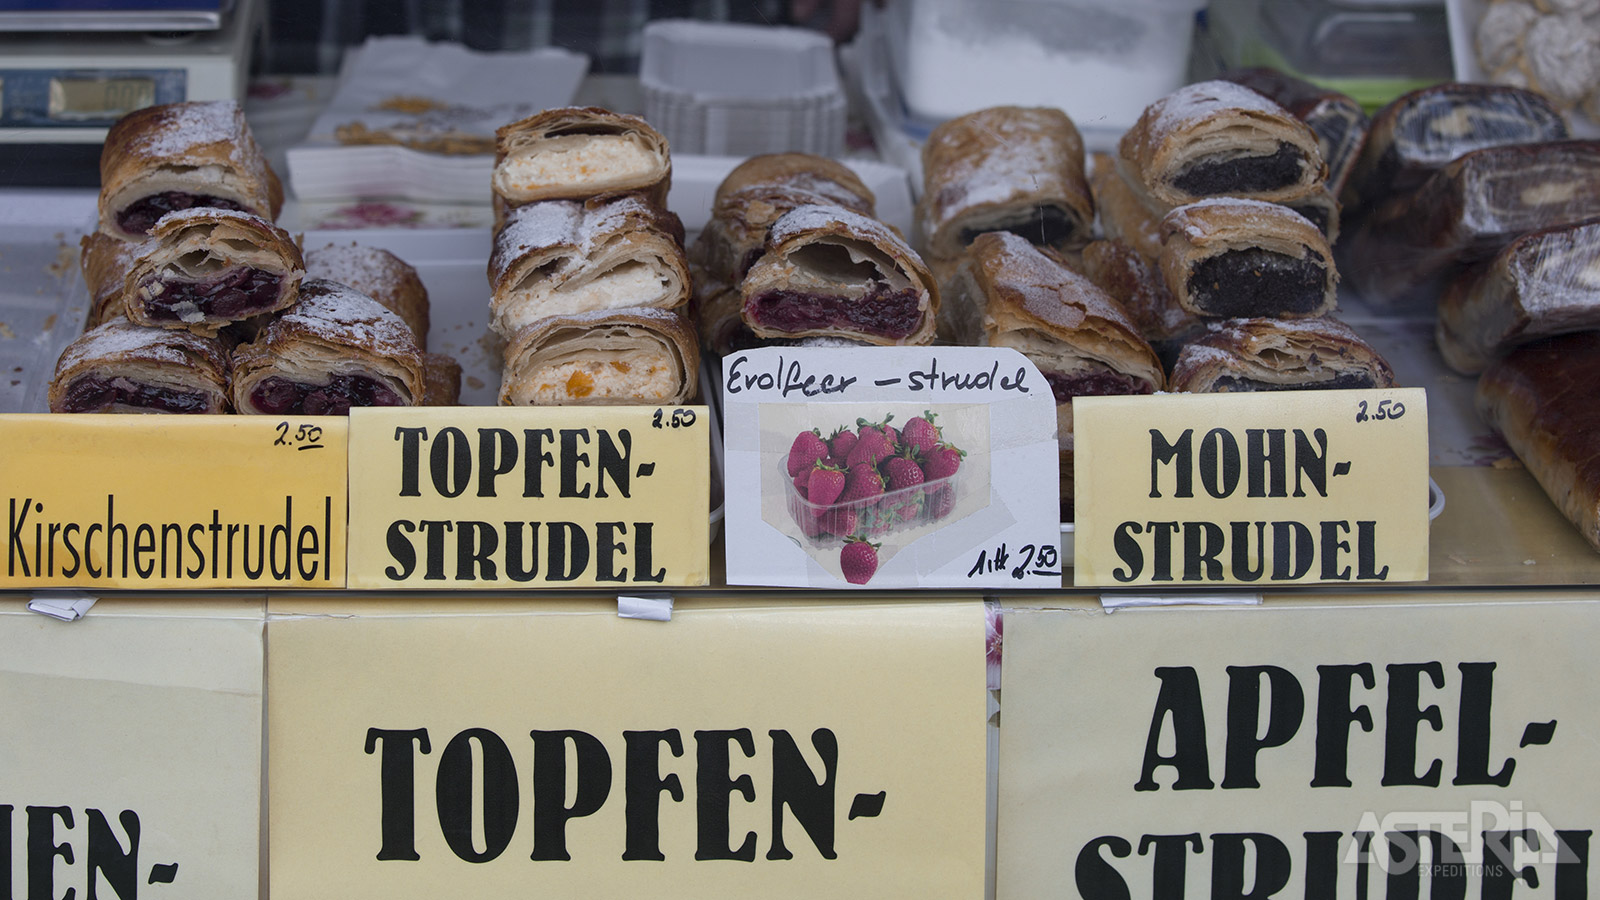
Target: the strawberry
pixel 858 560
pixel 839 520
pixel 871 448
pixel 941 500
pixel 921 433
pixel 862 482
pixel 902 471
pixel 826 484
pixel 840 443
pixel 805 451
pixel 801 482
pixel 942 462
pixel 883 428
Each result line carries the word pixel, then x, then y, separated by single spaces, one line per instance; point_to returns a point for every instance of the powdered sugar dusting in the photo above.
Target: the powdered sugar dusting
pixel 819 216
pixel 1049 291
pixel 122 338
pixel 1020 151
pixel 567 224
pixel 361 267
pixel 194 124
pixel 343 315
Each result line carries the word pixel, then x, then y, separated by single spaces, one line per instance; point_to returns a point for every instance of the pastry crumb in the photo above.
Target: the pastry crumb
pixel 1506 462
pixel 6 332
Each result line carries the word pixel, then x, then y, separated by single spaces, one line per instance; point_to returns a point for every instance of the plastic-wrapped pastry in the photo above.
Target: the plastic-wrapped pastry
pixel 1005 168
pixel 1279 355
pixel 574 153
pixel 1419 133
pixel 1543 283
pixel 441 380
pixel 1244 258
pixel 203 269
pixel 1466 212
pixel 1540 397
pixel 612 357
pixel 336 348
pixel 1137 284
pixel 106 262
pixel 560 257
pixel 829 271
pixel 1217 138
pixel 120 367
pixel 179 155
pixel 380 275
pixel 1338 120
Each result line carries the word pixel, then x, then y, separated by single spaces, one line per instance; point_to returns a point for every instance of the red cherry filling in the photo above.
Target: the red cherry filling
pixel 882 312
pixel 141 215
pixel 93 394
pixel 280 396
pixel 1094 384
pixel 237 293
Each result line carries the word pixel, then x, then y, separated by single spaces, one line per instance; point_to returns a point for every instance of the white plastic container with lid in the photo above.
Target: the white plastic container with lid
pixel 1101 61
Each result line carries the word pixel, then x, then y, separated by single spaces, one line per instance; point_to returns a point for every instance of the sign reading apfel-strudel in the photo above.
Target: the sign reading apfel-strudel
pixel 1252 488
pixel 146 502
pixel 456 497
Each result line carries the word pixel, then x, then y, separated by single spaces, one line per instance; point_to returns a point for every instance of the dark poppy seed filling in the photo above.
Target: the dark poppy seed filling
pixel 280 396
pixel 141 215
pixel 883 312
pixel 1343 381
pixel 1257 282
pixel 1243 175
pixel 94 394
pixel 1065 386
pixel 236 293
pixel 1048 226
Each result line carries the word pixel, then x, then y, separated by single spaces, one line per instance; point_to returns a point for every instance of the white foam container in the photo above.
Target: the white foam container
pixel 727 89
pixel 1100 61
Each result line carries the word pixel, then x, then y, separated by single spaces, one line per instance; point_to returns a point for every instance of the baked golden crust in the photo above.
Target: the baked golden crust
pixel 1029 299
pixel 1136 282
pixel 1245 258
pixel 831 272
pixel 334 332
pixel 803 172
pixel 441 380
pixel 105 262
pixel 199 148
pixel 193 248
pixel 613 357
pixel 380 275
pixel 1337 119
pixel 1217 138
pixel 559 257
pixel 574 153
pixel 120 367
pixel 1124 215
pixel 1540 398
pixel 1266 354
pixel 1005 168
pixel 1543 283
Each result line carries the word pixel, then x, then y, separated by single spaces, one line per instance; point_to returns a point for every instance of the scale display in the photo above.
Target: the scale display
pixel 76 98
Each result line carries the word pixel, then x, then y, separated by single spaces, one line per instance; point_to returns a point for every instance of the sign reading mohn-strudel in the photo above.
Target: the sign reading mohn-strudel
pixel 1252 488
pixel 173 502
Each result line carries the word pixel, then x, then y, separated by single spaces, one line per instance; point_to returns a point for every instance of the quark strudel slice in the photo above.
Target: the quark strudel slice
pixel 613 357
pixel 574 153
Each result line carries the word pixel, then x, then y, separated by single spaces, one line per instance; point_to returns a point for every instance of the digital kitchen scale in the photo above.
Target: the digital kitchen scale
pixel 69 69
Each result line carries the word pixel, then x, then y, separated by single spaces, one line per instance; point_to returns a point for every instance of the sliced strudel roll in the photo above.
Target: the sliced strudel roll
pixel 1419 133
pixel 573 153
pixel 559 257
pixel 1543 283
pixel 203 269
pixel 1409 245
pixel 1540 397
pixel 1217 138
pixel 1137 284
pixel 829 271
pixel 1124 213
pixel 1337 119
pixel 1006 168
pixel 336 348
pixel 120 367
pixel 380 275
pixel 613 357
pixel 106 262
pixel 178 155
pixel 1244 258
pixel 1279 355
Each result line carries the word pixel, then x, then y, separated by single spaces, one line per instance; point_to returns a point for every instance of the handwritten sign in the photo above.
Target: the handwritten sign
pixel 1300 751
pixel 891 467
pixel 130 750
pixel 173 501
pixel 457 497
pixel 744 748
pixel 1248 488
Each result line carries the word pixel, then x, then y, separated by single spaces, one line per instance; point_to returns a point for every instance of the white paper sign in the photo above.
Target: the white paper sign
pixel 978 425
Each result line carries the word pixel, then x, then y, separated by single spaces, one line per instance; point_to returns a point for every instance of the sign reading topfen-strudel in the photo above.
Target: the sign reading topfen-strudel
pixel 1252 488
pixel 173 501
pixel 558 496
